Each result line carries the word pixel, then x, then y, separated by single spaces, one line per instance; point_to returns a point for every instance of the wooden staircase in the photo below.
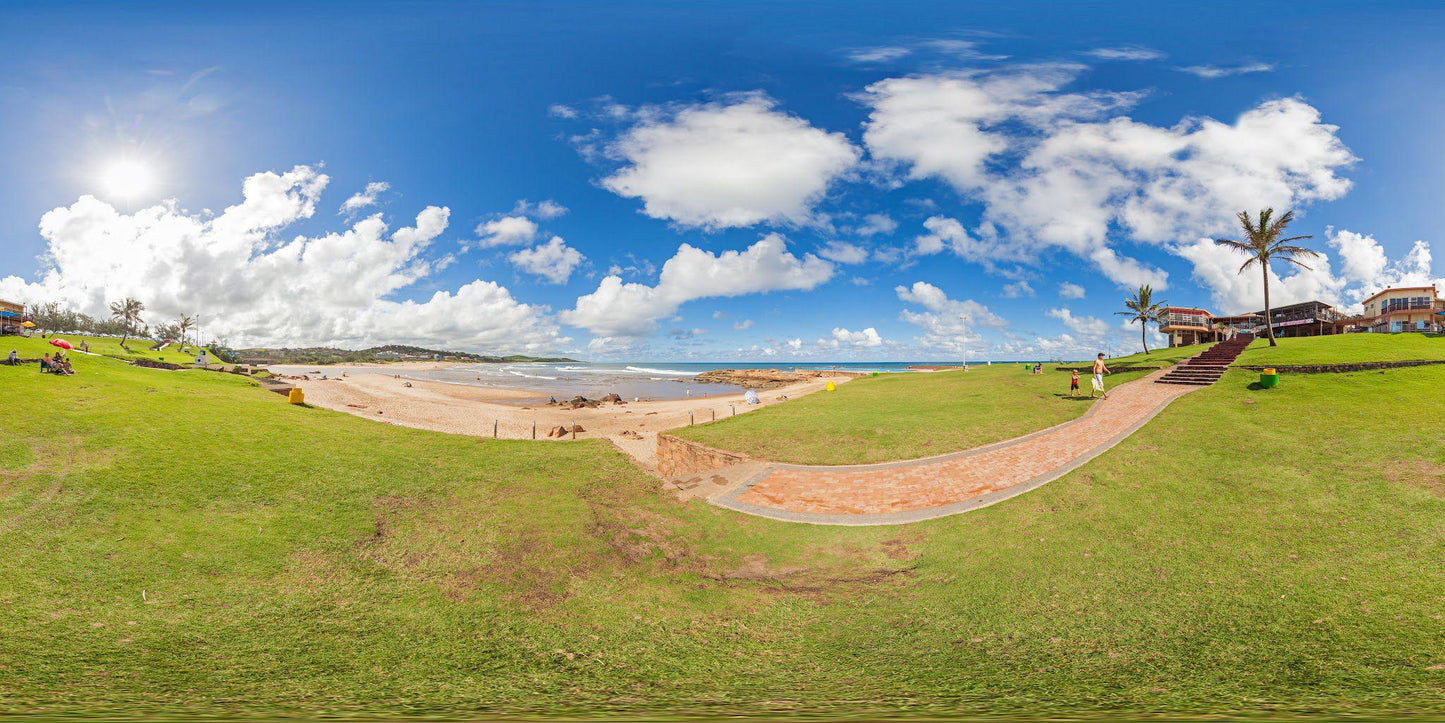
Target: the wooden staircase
pixel 1205 369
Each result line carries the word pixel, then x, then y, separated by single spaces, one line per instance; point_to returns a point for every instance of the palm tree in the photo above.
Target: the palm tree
pixel 183 325
pixel 127 312
pixel 1141 308
pixel 1263 244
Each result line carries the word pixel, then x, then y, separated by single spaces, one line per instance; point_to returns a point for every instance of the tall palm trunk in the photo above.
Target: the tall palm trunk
pixel 1268 318
pixel 1144 336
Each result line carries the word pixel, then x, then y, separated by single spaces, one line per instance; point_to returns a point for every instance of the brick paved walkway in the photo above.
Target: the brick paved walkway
pixel 913 490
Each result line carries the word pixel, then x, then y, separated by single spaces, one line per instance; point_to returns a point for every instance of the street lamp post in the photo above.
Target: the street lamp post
pixel 964 345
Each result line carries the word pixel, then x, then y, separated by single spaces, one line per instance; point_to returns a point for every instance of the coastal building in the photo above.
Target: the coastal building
pixel 1187 326
pixel 12 315
pixel 1409 308
pixel 1229 326
pixel 1310 318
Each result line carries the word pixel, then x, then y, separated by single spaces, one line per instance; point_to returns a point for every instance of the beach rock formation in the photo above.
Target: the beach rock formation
pixel 579 402
pixel 763 378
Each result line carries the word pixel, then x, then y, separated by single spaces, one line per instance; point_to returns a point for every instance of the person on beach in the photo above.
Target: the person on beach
pixel 1074 383
pixel 1100 369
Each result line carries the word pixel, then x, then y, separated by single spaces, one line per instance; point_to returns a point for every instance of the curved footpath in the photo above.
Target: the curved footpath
pixel 893 493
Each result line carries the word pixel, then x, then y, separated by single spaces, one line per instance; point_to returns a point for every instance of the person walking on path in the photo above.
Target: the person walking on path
pixel 1100 369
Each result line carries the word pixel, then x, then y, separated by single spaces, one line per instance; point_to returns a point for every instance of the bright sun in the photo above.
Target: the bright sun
pixel 126 179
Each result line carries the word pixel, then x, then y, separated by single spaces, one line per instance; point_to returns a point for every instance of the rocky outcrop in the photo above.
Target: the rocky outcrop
pixel 581 402
pixel 765 378
pixel 560 431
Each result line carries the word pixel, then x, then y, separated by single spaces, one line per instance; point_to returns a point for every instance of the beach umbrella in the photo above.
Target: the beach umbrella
pixel 63 344
pixel 28 324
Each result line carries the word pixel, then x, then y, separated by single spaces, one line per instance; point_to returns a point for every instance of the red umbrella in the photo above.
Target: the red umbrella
pixel 63 344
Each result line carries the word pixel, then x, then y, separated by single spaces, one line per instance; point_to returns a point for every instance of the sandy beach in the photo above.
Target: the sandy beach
pixel 461 409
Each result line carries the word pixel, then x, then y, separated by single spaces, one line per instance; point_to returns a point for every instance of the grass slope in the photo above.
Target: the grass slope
pixel 297 561
pixel 1157 357
pixel 33 347
pixel 904 416
pixel 1345 349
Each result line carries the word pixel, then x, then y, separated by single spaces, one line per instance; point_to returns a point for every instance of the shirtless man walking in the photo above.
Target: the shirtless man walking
pixel 1099 371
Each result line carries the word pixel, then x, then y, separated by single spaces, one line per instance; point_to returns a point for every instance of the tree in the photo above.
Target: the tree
pixel 1263 244
pixel 183 325
pixel 1141 308
pixel 127 312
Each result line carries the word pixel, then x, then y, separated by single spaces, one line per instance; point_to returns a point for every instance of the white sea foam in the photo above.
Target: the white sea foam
pixel 530 376
pixel 670 372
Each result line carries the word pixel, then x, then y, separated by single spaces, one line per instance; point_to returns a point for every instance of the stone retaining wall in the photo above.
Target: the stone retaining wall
pixel 677 457
pixel 1339 368
pixel 155 364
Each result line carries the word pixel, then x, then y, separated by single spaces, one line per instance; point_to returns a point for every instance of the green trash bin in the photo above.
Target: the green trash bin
pixel 1269 379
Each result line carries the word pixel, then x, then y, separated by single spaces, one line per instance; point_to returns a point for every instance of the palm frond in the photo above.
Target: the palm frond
pixel 1236 245
pixel 1294 251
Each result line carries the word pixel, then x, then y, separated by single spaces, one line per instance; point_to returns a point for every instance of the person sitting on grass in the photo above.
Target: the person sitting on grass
pixel 1100 369
pixel 14 358
pixel 45 363
pixel 1074 383
pixel 62 364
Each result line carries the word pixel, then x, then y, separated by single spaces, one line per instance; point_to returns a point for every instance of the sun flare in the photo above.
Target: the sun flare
pixel 126 179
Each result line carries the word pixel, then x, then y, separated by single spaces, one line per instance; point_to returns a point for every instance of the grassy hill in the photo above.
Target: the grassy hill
pixel 107 345
pixel 183 543
pixel 1345 349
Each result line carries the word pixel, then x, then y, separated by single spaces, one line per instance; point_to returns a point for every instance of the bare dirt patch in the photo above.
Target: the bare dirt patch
pixel 1420 472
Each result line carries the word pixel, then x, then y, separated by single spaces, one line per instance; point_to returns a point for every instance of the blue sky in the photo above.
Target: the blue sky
pixel 829 180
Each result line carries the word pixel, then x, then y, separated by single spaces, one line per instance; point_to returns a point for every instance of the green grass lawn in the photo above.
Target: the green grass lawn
pixel 108 346
pixel 906 415
pixel 1345 349
pixel 1156 357
pixel 294 561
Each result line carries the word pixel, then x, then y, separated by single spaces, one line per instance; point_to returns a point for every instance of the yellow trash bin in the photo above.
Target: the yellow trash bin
pixel 830 387
pixel 296 396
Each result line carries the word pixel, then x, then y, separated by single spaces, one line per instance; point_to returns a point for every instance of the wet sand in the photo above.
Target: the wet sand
pixel 464 409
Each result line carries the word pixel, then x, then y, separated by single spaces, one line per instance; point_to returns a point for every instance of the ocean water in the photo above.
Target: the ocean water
pixel 642 380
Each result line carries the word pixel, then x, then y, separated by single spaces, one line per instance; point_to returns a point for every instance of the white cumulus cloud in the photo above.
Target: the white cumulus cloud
pixel 507 231
pixel 253 287
pixel 619 309
pixel 865 339
pixel 729 164
pixel 1054 168
pixel 942 321
pixel 554 261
